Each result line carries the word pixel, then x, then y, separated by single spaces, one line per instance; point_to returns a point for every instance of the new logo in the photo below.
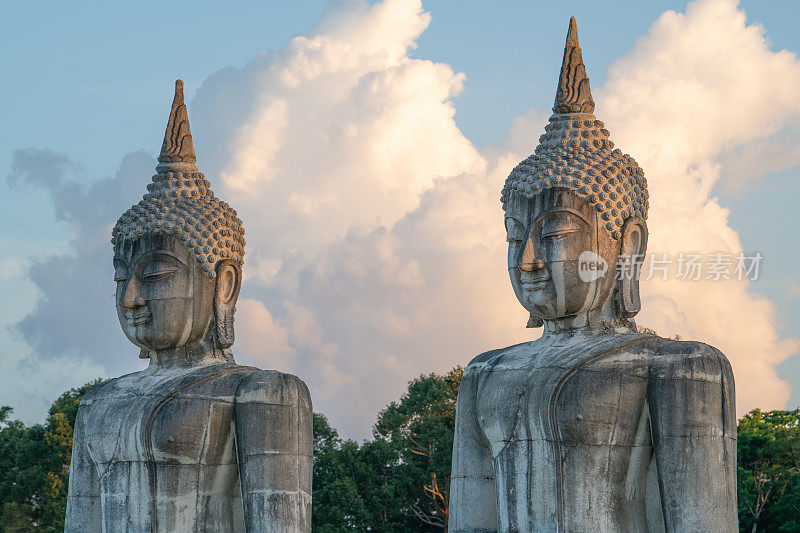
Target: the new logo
pixel 591 266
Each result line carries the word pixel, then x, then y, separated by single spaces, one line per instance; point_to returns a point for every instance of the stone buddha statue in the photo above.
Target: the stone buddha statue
pixel 194 442
pixel 595 426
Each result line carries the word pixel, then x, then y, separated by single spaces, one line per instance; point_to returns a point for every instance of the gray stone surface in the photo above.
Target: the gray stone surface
pixel 595 426
pixel 194 442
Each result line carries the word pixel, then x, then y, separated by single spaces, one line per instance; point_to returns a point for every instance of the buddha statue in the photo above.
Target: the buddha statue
pixel 194 442
pixel 595 426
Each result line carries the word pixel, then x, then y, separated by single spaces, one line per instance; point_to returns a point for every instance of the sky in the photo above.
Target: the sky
pixel 364 146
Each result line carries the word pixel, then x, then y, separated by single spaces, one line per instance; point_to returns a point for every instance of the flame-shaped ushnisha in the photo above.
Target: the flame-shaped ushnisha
pixel 177 146
pixel 576 152
pixel 180 202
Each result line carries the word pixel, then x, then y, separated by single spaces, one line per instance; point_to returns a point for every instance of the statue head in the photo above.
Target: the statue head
pixel 575 212
pixel 178 254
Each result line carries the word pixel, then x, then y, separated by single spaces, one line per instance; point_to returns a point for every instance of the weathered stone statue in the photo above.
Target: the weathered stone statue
pixel 594 426
pixel 194 442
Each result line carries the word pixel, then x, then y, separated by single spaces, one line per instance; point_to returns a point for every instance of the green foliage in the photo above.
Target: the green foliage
pixel 769 471
pixel 338 505
pixel 34 466
pixel 420 427
pixel 400 480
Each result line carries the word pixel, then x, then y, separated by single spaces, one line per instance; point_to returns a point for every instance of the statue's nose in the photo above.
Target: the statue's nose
pixel 131 298
pixel 529 262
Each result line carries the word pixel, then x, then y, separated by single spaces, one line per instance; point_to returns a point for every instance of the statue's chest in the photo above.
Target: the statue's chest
pixel 588 395
pixel 160 421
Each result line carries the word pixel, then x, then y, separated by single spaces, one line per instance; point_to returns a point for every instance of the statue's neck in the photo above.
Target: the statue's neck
pixel 189 356
pixel 599 321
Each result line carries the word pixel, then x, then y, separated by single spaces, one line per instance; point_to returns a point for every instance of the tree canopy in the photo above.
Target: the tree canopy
pixel 769 471
pixel 34 466
pixel 400 480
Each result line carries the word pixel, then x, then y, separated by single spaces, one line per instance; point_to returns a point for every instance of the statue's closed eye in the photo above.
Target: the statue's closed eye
pixel 158 274
pixel 556 233
pixel 158 267
pixel 559 225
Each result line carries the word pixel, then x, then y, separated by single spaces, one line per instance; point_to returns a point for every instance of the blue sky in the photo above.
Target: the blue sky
pixel 77 65
pixel 90 80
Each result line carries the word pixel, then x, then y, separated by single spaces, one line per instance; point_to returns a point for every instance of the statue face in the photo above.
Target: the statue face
pixel 163 299
pixel 556 252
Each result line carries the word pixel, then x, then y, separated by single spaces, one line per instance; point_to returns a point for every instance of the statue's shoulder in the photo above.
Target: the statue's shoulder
pixel 492 357
pixel 687 359
pixel 102 389
pixel 273 387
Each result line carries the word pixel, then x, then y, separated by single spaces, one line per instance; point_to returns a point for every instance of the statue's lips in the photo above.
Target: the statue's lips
pixel 535 285
pixel 138 319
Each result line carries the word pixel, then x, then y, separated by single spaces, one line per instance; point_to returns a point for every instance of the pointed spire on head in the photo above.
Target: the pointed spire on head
pixel 573 94
pixel 180 202
pixel 576 152
pixel 177 151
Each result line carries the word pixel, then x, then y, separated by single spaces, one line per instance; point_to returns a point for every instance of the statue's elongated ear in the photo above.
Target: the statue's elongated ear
pixel 632 250
pixel 226 293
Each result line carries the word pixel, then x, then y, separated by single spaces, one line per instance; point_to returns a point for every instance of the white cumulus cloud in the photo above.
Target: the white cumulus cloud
pixel 699 88
pixel 375 239
pixel 390 231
